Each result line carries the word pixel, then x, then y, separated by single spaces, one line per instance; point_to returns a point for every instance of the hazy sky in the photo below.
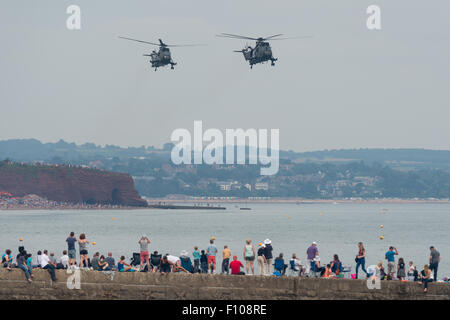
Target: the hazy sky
pixel 347 87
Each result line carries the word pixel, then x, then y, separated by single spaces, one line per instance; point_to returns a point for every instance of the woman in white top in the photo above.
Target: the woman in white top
pixel 249 256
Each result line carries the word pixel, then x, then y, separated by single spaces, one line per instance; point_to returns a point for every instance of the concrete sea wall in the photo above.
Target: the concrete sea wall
pixel 146 286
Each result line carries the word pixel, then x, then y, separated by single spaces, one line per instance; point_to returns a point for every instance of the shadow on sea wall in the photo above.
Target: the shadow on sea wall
pixel 146 286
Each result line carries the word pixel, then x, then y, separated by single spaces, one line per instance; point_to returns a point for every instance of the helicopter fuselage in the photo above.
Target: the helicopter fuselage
pixel 261 53
pixel 161 58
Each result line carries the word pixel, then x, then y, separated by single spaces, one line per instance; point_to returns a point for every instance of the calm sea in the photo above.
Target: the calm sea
pixel 337 228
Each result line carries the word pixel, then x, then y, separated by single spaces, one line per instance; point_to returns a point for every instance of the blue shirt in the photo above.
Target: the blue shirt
pixel 196 255
pixel 390 255
pixel 212 250
pixel 71 243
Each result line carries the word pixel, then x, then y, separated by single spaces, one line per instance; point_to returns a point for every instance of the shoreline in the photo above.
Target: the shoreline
pixel 300 201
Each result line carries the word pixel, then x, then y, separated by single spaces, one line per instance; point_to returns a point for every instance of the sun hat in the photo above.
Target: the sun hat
pixel 314 242
pixel 267 241
pixel 184 253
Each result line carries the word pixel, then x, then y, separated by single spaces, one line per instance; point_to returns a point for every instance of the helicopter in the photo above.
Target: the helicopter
pixel 262 52
pixel 162 57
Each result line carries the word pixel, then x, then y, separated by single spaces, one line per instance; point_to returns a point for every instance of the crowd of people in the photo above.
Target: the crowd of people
pixel 205 261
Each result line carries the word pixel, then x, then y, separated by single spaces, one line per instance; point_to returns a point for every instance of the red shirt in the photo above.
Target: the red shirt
pixel 235 266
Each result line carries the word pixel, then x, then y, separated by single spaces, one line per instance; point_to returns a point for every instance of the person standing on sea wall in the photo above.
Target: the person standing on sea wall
pixel 390 257
pixel 249 256
pixel 268 255
pixel 435 259
pixel 71 249
pixel 211 252
pixel 310 255
pixel 361 259
pixel 144 254
pixel 226 254
pixel 261 259
pixel 83 243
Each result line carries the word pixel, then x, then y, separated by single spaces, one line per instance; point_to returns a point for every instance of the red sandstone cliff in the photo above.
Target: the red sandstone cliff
pixel 69 184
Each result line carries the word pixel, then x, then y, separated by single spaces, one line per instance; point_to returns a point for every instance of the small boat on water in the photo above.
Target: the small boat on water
pixel 245 208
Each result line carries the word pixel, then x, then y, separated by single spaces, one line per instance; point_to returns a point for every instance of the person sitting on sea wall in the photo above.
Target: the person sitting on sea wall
pixel 95 260
pixel 236 266
pixel 102 264
pixel 279 264
pixel 295 261
pixel 38 259
pixel 413 274
pixel 7 259
pixel 336 265
pixel 21 260
pixel 164 266
pixel 47 265
pixel 427 276
pixel 64 260
pixel 186 262
pixel 124 266
pixel 155 261
pixel 379 271
pixel 328 273
pixel 317 266
pixel 111 262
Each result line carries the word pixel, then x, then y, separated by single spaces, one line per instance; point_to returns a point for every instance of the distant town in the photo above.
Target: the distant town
pixel 329 174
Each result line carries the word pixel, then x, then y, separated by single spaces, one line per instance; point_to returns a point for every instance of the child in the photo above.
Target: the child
pixel 401 274
pixel 328 271
pixel 204 262
pixel 196 255
pixel 412 272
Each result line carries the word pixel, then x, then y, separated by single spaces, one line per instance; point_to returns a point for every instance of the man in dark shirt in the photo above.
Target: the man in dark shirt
pixel 21 260
pixel 435 258
pixel 310 255
pixel 111 262
pixel 71 240
pixel 268 255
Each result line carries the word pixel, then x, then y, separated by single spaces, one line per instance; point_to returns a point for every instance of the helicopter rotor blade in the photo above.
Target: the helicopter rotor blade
pixel 186 45
pixel 152 43
pixel 235 36
pixel 301 37
pixel 277 35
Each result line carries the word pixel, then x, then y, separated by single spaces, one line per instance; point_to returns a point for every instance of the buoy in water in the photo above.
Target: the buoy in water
pixel 94 243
